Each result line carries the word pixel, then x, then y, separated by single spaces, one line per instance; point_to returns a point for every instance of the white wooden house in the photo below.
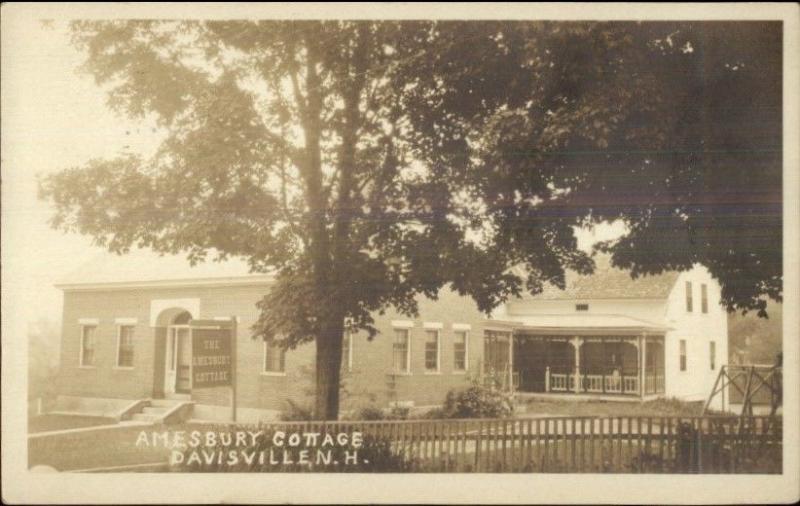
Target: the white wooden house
pixel 607 335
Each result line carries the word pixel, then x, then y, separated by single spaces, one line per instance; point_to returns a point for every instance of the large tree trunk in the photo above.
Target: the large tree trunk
pixel 328 370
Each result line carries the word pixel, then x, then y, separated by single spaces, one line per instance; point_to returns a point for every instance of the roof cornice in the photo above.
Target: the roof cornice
pixel 250 280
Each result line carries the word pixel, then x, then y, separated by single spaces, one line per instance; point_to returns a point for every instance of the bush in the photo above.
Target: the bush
pixel 434 414
pixel 398 413
pixel 371 413
pixel 296 413
pixel 477 402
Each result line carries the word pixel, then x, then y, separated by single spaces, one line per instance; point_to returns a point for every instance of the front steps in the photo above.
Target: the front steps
pixel 164 411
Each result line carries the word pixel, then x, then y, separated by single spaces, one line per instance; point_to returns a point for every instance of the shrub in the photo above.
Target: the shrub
pixel 398 413
pixel 296 413
pixel 370 413
pixel 433 414
pixel 477 401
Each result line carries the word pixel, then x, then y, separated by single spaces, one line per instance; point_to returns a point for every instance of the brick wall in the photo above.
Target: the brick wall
pixel 368 382
pixel 371 378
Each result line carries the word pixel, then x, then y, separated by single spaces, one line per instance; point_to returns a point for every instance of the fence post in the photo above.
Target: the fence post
pixel 478 447
pixel 700 445
pixel 546 455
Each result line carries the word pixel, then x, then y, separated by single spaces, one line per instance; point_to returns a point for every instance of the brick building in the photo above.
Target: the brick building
pixel 126 340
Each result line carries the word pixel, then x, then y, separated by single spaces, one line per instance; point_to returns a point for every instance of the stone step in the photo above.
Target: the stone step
pixel 178 397
pixel 155 410
pixel 142 417
pixel 164 403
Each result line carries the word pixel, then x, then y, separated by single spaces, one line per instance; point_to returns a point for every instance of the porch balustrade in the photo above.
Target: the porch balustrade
pixel 653 383
pixel 561 382
pixel 598 383
pixel 593 383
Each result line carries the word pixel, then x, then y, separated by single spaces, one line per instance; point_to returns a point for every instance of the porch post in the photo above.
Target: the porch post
pixel 511 362
pixel 603 377
pixel 576 343
pixel 642 364
pixel 547 378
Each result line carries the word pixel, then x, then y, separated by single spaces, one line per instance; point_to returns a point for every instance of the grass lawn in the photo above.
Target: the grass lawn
pixel 45 423
pixel 654 408
pixel 114 446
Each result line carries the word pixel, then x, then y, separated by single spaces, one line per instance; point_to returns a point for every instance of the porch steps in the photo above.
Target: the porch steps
pixel 166 403
pixel 164 411
pixel 177 397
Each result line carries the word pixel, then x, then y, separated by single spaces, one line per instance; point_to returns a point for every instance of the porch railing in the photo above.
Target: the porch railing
pixel 653 383
pixel 595 383
pixel 621 384
pixel 561 382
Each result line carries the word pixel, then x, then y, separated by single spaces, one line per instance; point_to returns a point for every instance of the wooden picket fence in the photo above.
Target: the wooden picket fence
pixel 709 444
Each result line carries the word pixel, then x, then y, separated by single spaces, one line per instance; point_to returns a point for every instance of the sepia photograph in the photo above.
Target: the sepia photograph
pixel 295 242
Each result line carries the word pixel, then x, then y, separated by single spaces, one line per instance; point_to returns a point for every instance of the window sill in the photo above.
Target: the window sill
pixel 123 367
pixel 460 373
pixel 273 373
pixel 433 373
pixel 87 367
pixel 395 373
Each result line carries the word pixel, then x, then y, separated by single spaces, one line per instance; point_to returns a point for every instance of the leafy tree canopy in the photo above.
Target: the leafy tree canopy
pixel 368 162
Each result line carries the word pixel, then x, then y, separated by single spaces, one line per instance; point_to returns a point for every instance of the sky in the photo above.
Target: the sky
pixel 60 120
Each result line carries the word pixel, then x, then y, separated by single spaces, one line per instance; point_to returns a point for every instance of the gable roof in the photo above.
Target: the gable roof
pixel 608 282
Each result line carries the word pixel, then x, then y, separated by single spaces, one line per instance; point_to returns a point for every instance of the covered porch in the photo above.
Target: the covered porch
pixel 597 355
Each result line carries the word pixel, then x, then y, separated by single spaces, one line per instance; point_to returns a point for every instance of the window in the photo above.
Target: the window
pixel 87 345
pixel 704 298
pixel 400 351
pixel 125 346
pixel 581 307
pixel 712 354
pixel 347 350
pixel 683 354
pixel 274 357
pixel 689 297
pixel 460 351
pixel 432 350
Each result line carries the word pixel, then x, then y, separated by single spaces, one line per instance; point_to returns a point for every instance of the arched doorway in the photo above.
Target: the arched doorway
pixel 178 361
pixel 170 321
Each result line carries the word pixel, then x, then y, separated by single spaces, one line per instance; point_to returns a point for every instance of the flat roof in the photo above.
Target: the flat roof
pixel 141 269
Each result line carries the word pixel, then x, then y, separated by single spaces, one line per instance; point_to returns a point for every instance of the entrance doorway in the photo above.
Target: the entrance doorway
pixel 178 367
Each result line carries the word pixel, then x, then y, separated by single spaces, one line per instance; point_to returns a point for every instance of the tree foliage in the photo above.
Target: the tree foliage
pixel 366 163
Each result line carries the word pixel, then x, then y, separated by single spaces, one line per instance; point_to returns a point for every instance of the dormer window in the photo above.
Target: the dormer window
pixel 581 307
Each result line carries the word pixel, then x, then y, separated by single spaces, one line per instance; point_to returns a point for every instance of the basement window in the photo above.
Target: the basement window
pixel 581 307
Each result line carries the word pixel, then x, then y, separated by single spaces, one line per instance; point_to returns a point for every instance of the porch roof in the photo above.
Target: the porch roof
pixel 581 324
